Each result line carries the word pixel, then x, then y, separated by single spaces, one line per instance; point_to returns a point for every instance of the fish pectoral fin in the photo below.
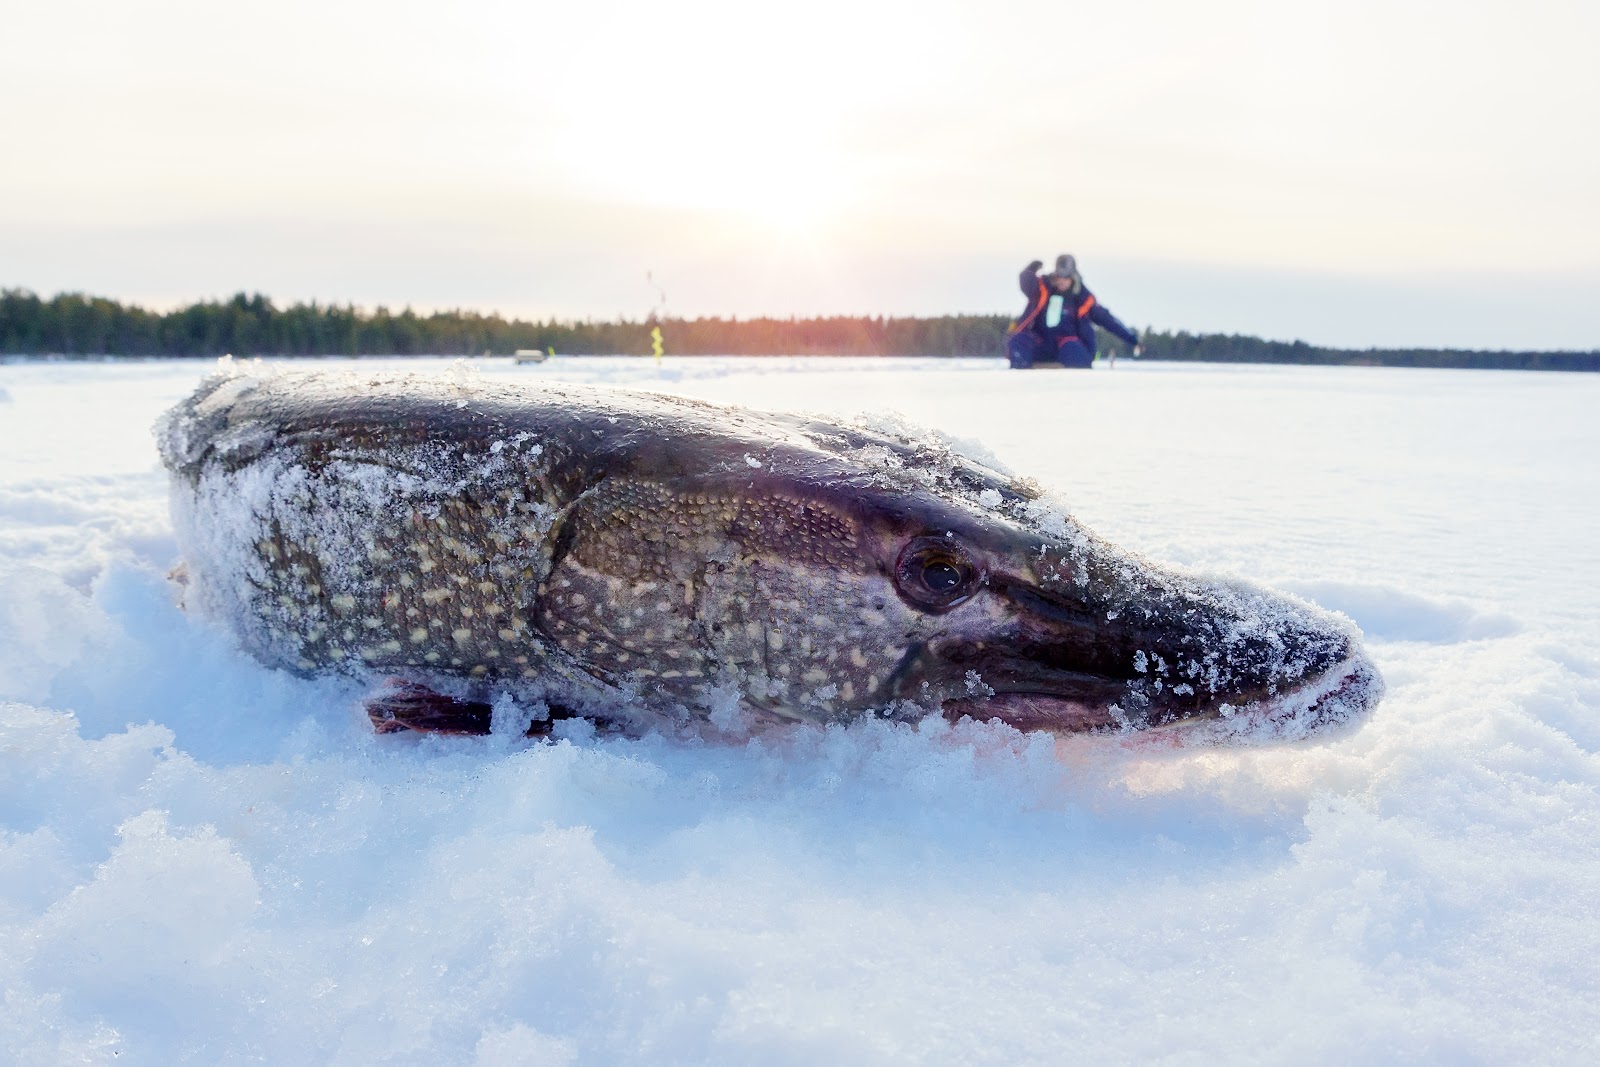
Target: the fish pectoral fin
pixel 402 705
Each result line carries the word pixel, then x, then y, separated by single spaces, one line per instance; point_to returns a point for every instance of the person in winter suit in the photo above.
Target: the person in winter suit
pixel 1059 321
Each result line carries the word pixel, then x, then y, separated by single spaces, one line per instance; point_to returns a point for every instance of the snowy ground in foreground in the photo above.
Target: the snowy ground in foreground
pixel 201 860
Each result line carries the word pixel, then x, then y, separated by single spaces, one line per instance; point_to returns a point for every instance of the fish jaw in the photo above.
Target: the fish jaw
pixel 1337 698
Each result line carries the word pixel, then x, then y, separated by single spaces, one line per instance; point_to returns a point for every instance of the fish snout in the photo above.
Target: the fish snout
pixel 1231 652
pixel 1155 648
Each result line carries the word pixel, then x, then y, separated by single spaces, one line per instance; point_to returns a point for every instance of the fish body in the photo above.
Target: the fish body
pixel 645 559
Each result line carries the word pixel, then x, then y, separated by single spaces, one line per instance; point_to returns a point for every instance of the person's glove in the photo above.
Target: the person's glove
pixel 1033 268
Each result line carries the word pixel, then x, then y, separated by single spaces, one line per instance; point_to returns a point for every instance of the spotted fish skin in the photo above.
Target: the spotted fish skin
pixel 648 558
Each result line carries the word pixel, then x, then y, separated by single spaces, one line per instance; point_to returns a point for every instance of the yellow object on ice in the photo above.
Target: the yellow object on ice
pixel 655 340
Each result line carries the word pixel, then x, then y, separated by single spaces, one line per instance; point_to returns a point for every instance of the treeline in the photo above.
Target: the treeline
pixel 72 324
pixel 76 325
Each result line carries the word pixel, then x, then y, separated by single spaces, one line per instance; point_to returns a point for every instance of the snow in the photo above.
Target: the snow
pixel 203 860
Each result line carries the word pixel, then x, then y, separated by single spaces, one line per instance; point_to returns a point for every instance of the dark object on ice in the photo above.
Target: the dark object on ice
pixel 643 559
pixel 1057 325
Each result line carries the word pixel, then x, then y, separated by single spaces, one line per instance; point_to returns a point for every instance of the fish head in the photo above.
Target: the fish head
pixel 821 589
pixel 1017 612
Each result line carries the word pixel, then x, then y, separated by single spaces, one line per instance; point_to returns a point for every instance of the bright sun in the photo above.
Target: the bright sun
pixel 695 118
pixel 763 181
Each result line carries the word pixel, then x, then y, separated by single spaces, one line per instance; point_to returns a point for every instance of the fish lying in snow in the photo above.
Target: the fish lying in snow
pixel 644 560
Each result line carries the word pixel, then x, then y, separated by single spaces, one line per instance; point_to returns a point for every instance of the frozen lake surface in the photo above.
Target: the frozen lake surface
pixel 205 861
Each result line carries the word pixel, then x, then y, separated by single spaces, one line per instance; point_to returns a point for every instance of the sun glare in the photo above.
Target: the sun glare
pixel 696 117
pixel 702 163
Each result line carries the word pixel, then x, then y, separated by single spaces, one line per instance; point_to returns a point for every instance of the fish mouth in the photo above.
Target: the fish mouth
pixel 1336 697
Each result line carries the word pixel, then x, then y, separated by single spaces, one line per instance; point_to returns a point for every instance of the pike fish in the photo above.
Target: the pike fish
pixel 646 560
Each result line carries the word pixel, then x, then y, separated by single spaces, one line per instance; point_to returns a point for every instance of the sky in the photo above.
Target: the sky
pixel 1354 174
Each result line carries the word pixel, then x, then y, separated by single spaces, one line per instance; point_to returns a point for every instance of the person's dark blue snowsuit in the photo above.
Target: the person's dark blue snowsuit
pixel 1059 321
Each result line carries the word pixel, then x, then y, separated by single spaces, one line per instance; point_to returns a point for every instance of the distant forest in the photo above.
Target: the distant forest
pixel 72 324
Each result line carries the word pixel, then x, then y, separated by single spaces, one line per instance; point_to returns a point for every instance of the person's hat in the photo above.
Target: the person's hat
pixel 1066 266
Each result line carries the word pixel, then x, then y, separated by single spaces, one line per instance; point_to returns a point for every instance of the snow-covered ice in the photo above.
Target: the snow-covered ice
pixel 202 860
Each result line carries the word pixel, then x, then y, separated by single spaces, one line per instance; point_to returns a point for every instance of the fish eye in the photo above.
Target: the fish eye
pixel 940 576
pixel 934 573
